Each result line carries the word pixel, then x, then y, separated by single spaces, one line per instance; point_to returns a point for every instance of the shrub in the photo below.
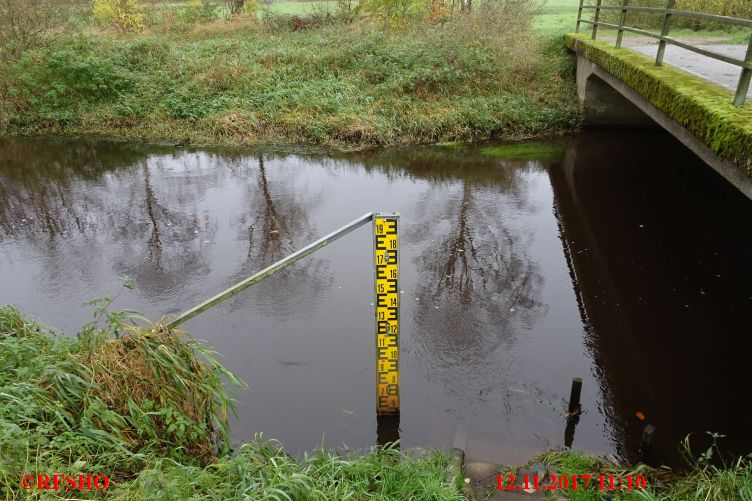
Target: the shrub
pixel 199 11
pixel 25 24
pixel 71 73
pixel 123 15
pixel 734 8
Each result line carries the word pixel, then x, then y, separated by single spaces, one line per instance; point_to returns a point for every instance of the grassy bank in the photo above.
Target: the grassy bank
pixel 343 85
pixel 147 407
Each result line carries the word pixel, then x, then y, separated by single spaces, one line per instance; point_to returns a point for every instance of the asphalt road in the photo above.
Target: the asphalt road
pixel 722 73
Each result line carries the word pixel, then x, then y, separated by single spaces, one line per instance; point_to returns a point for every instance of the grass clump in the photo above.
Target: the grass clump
pixel 262 470
pixel 106 401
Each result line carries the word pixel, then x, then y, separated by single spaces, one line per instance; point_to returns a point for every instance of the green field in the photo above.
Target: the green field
pixel 295 8
pixel 560 16
pixel 557 17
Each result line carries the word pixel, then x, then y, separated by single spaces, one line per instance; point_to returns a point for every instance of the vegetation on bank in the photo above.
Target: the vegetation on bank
pixel 147 407
pixel 381 77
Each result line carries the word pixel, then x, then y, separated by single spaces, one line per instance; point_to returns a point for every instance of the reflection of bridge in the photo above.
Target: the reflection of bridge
pixel 619 87
pixel 659 281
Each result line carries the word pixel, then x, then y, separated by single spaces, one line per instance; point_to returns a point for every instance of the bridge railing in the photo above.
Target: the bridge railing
pixel 664 39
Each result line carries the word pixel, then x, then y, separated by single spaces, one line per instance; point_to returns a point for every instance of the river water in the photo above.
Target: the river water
pixel 617 258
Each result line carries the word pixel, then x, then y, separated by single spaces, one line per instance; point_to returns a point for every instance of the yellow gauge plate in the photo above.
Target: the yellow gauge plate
pixel 386 261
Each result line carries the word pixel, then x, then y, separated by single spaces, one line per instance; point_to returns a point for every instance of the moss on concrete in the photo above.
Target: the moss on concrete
pixel 702 107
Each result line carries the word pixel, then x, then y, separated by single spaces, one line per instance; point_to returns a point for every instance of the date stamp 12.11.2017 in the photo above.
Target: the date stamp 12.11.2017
pixel 551 482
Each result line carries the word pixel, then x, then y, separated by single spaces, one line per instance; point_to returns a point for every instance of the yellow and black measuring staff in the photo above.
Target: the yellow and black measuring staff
pixel 386 262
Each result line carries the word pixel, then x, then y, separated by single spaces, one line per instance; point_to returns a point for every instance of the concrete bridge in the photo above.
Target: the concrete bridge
pixel 623 88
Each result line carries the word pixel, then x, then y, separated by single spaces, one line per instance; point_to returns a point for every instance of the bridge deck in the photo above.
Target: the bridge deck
pixel 724 74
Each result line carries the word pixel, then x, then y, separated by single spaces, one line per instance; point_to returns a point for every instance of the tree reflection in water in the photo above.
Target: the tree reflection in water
pixel 475 266
pixel 276 222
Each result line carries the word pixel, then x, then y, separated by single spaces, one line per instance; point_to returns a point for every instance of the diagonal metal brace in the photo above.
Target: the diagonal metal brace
pixel 270 270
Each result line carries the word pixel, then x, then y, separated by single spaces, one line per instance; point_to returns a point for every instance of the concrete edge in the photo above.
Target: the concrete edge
pixel 455 474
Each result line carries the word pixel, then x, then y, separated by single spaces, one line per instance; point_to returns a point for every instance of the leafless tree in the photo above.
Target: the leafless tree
pixel 25 24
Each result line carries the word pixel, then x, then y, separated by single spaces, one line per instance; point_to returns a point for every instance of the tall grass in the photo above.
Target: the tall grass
pixel 262 470
pixel 98 402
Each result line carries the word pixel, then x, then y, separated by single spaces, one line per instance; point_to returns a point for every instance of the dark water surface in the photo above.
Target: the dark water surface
pixel 618 258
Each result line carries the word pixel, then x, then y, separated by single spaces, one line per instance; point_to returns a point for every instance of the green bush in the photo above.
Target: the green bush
pixel 199 11
pixel 51 81
pixel 108 400
pixel 733 8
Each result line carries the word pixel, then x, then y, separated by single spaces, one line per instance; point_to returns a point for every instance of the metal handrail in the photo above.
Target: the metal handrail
pixel 269 270
pixel 735 21
pixel 668 12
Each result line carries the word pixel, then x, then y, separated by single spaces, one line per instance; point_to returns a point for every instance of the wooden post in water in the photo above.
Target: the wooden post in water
pixel 622 22
pixel 646 441
pixel 574 411
pixel 574 395
pixel 664 32
pixel 386 269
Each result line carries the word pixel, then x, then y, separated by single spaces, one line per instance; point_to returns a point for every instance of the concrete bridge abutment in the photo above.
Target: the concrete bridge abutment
pixel 602 105
pixel 608 102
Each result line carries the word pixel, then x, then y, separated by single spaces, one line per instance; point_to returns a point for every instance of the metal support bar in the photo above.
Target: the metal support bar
pixel 622 22
pixel 743 87
pixel 282 263
pixel 579 17
pixel 664 32
pixel 595 19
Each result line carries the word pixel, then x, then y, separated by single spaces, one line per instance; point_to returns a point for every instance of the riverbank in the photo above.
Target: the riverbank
pixel 147 408
pixel 340 85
